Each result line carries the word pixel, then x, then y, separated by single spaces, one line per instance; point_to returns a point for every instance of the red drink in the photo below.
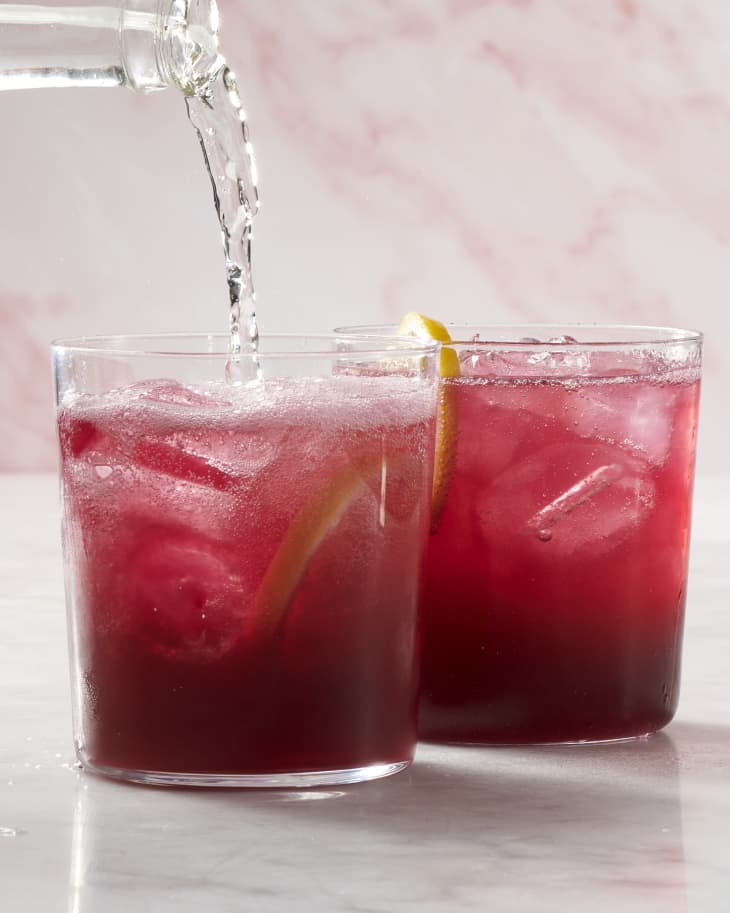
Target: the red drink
pixel 242 572
pixel 556 576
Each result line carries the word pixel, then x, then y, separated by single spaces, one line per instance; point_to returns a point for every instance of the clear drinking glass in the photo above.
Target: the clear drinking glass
pixel 557 564
pixel 243 560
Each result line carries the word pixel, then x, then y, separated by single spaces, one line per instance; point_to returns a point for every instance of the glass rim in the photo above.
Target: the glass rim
pixel 161 345
pixel 621 335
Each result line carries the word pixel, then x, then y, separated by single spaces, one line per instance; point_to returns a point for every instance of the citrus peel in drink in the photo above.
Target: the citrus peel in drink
pixel 427 329
pixel 306 532
pixel 301 541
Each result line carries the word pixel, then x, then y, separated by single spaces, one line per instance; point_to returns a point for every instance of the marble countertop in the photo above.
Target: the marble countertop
pixel 635 826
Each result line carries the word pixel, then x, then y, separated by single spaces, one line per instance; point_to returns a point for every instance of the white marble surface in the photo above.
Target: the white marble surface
pixel 637 826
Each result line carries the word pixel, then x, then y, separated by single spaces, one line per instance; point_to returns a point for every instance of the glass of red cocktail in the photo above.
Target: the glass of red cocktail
pixel 243 560
pixel 557 563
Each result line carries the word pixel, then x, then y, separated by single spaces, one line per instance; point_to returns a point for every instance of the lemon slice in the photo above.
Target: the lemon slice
pixel 303 537
pixel 306 532
pixel 426 328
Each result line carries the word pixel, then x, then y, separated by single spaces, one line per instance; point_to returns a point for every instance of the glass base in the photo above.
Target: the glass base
pixel 565 743
pixel 293 779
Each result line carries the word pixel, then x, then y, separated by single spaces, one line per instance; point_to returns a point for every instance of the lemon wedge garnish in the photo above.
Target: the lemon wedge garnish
pixel 429 330
pixel 426 328
pixel 306 532
pixel 303 537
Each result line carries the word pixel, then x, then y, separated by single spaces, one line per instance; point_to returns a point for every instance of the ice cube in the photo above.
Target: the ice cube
pixel 528 362
pixel 173 393
pixel 487 362
pixel 79 435
pixel 590 486
pixel 563 361
pixel 183 594
pixel 564 340
pixel 626 412
pixel 494 434
pixel 566 499
pixel 166 427
pixel 217 442
pixel 182 464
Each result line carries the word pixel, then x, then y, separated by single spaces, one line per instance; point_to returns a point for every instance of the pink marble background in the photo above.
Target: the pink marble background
pixel 481 160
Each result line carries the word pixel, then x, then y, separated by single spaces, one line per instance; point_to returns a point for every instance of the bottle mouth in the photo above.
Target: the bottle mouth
pixel 189 44
pixel 169 42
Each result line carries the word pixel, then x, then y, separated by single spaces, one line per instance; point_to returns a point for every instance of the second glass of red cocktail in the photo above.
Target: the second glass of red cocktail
pixel 557 569
pixel 556 574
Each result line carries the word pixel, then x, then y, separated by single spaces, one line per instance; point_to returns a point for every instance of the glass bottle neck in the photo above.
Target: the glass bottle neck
pixel 142 44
